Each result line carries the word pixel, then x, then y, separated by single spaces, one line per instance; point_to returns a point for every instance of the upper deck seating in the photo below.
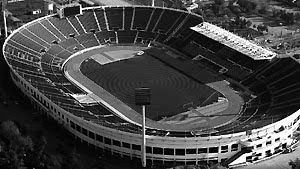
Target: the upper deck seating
pixel 22 40
pixel 114 17
pixel 47 24
pixel 128 18
pixel 102 19
pixel 63 25
pixel 154 19
pixel 77 24
pixel 167 20
pixel 88 21
pixel 142 18
pixel 42 32
pixel 34 37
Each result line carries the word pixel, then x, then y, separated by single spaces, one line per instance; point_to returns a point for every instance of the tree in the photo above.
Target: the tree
pixel 247 5
pixel 15 141
pixel 25 143
pixel 72 160
pixel 219 6
pixel 9 130
pixel 249 23
pixel 219 2
pixel 54 162
pixel 295 164
pixel 36 157
pixel 40 146
pixel 234 8
pixel 263 8
pixel 178 4
pixel 261 28
pixel 297 16
pixel 198 11
pixel 288 18
pixel 13 160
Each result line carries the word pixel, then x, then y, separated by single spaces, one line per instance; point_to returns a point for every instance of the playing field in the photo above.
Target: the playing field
pixel 172 92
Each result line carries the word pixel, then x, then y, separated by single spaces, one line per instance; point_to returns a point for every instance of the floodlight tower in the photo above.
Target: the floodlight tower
pixel 142 98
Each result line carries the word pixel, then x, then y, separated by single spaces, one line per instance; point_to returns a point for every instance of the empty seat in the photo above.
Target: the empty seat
pixel 114 17
pixel 88 21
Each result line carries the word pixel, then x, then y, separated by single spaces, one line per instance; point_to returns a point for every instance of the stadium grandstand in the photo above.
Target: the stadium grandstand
pixel 216 98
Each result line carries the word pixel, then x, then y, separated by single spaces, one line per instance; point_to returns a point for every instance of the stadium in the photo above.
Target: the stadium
pixel 215 97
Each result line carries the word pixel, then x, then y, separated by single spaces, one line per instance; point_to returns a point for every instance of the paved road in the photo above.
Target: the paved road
pixel 112 2
pixel 274 30
pixel 279 162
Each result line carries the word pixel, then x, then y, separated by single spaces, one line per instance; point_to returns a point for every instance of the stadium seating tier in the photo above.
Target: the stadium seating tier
pixel 38 50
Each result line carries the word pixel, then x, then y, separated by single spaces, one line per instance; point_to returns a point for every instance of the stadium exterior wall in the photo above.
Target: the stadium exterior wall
pixel 223 147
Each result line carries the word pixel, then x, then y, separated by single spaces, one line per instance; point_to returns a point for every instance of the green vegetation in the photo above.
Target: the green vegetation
pixel 295 164
pixel 18 151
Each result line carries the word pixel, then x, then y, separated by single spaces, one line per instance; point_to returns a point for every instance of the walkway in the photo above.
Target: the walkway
pixel 279 162
pixel 112 2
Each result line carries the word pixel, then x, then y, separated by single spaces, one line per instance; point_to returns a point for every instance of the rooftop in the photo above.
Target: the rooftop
pixel 233 41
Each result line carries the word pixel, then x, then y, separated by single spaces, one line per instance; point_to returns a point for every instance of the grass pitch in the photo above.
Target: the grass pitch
pixel 171 91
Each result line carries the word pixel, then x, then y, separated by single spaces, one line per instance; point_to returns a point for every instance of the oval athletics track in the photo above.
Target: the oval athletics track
pixel 191 122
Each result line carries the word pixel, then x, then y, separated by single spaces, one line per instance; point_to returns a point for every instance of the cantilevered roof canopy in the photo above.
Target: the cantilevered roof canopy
pixel 233 41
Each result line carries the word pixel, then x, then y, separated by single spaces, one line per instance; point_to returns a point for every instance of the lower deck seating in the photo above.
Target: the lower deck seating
pixel 193 49
pixel 91 43
pixel 85 37
pixel 105 36
pixel 126 36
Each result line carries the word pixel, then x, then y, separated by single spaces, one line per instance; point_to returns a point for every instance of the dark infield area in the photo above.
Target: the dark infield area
pixel 171 91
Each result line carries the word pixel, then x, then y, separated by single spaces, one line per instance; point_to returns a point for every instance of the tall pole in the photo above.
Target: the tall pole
pixel 5 25
pixel 143 137
pixel 4 16
pixel 153 4
pixel 142 98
